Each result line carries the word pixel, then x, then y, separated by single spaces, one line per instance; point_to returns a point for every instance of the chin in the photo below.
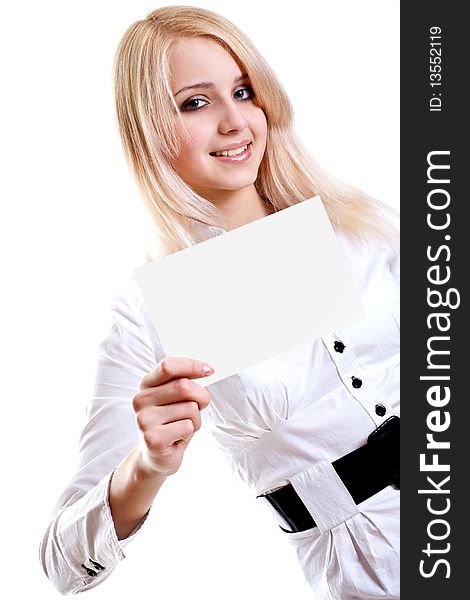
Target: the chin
pixel 238 183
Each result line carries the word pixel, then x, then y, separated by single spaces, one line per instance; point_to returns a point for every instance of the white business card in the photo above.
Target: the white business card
pixel 252 293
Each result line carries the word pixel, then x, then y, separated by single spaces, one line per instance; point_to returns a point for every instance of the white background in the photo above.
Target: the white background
pixel 72 228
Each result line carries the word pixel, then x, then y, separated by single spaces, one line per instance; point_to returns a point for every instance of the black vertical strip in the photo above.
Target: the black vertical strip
pixel 434 49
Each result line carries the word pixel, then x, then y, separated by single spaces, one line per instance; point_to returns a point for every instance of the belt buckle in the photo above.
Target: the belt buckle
pixel 386 440
pixel 289 508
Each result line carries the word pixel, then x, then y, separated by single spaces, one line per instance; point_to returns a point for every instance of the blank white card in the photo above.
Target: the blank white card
pixel 252 293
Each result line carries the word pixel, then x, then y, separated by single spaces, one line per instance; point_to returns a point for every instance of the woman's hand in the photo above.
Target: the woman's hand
pixel 167 409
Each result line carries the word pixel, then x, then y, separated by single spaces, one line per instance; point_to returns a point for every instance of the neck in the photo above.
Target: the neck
pixel 240 207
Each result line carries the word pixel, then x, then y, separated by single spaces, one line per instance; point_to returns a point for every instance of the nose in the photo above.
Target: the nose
pixel 232 118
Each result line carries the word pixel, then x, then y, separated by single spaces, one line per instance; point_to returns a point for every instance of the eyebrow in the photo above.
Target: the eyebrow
pixel 209 84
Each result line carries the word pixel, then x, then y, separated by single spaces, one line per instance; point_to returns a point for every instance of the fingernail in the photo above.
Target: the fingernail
pixel 207 369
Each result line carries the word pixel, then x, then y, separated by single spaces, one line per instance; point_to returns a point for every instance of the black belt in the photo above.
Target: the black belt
pixel 364 472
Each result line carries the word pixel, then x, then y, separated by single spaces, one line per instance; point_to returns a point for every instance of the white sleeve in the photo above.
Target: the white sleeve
pixel 80 547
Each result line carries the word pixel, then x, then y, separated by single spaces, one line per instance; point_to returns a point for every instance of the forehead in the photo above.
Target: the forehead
pixel 201 59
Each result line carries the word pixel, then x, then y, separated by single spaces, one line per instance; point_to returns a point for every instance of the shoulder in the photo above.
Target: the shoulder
pixel 370 256
pixel 127 300
pixel 130 313
pixel 374 269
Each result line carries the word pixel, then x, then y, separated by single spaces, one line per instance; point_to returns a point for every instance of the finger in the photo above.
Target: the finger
pixel 152 417
pixel 177 390
pixel 163 437
pixel 173 367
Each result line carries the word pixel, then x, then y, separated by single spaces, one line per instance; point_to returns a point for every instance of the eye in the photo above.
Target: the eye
pixel 193 104
pixel 244 93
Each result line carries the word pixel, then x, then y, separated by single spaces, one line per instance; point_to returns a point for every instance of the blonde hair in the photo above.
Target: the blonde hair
pixel 147 117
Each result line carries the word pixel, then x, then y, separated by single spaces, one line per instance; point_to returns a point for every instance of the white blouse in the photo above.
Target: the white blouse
pixel 283 420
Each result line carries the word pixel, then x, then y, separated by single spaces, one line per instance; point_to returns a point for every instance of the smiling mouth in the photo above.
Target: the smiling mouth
pixel 233 152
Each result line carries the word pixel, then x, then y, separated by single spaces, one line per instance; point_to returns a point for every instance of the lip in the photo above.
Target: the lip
pixel 233 146
pixel 237 158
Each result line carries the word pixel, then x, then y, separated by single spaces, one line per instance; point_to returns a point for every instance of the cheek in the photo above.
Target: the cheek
pixel 199 137
pixel 260 125
pixel 190 151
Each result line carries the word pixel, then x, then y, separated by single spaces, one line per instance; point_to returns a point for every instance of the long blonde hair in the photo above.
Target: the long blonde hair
pixel 147 117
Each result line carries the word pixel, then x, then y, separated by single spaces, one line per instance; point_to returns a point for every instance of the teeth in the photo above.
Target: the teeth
pixel 231 152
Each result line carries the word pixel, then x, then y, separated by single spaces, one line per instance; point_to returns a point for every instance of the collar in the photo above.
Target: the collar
pixel 203 231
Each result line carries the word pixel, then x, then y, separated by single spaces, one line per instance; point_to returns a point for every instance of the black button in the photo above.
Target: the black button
pixel 96 565
pixel 380 409
pixel 339 346
pixel 356 382
pixel 89 571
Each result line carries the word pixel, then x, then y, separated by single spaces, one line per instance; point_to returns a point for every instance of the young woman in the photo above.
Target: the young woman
pixel 208 133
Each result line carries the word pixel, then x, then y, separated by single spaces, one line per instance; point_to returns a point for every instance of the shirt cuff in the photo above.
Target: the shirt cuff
pixel 85 547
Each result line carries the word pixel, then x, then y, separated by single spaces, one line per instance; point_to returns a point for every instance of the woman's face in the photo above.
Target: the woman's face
pixel 220 115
